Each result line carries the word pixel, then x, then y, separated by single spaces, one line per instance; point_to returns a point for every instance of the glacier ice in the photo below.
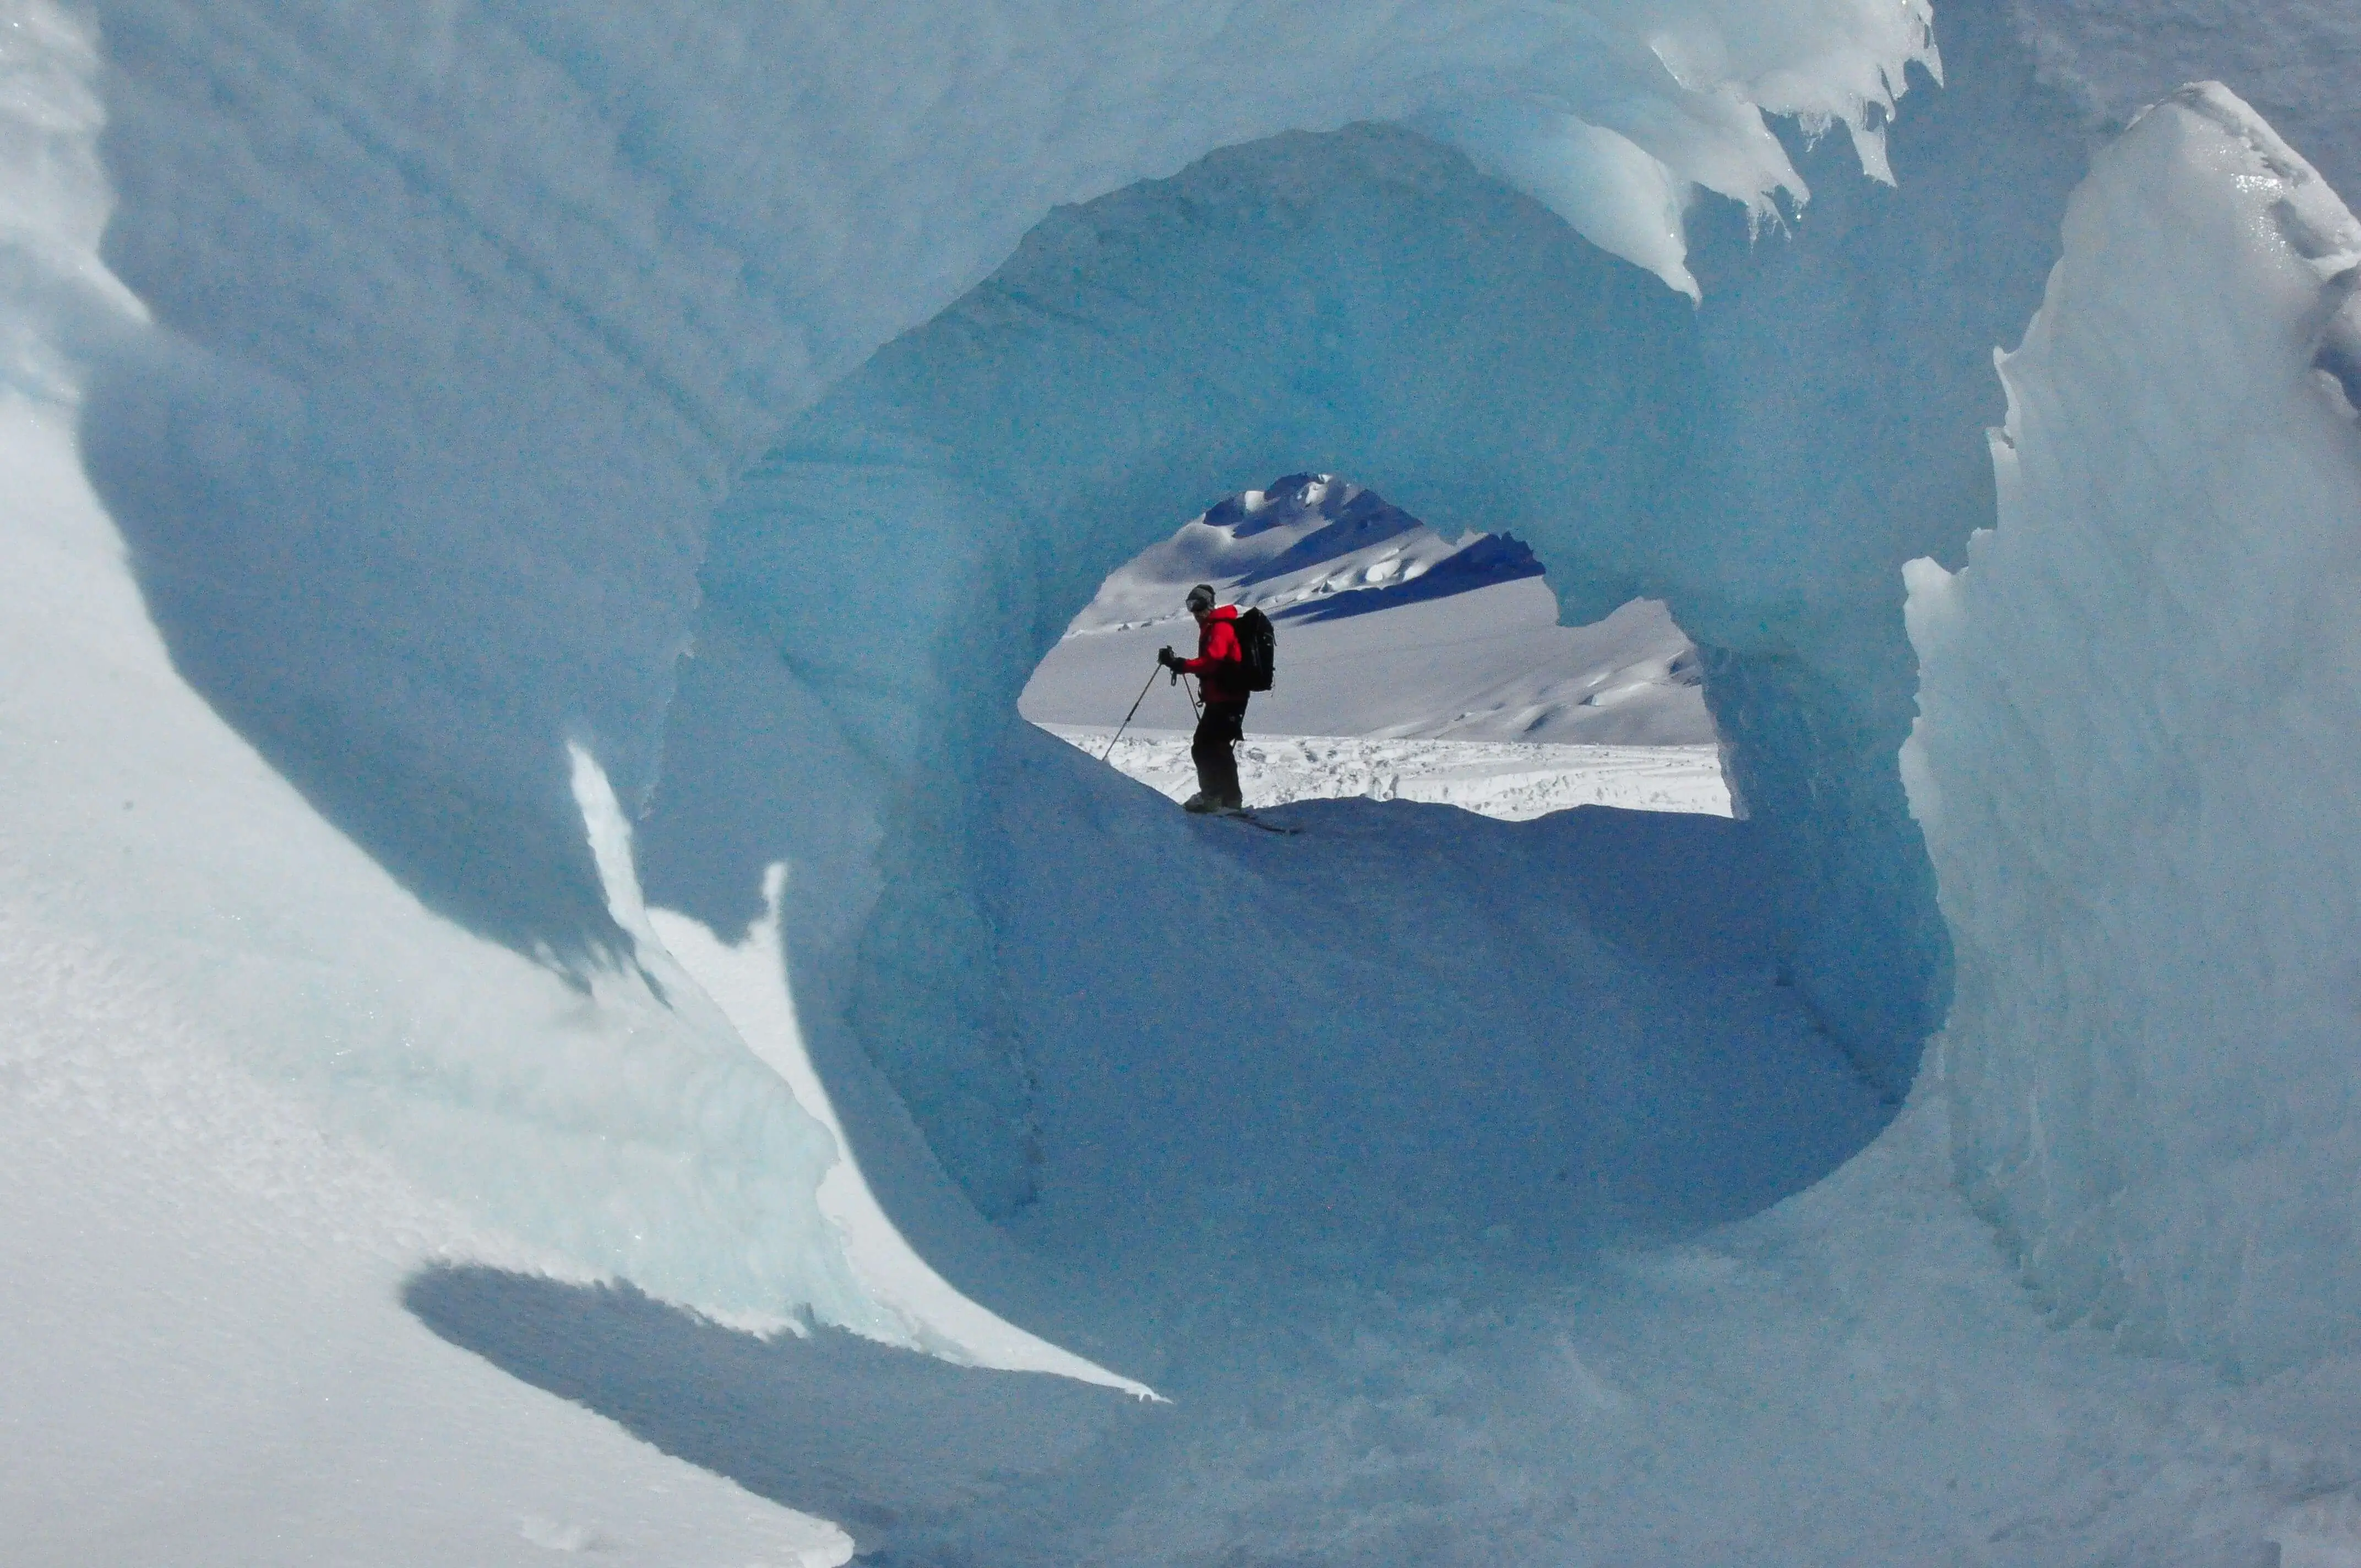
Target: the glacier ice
pixel 1425 330
pixel 2133 703
pixel 362 228
pixel 411 607
pixel 359 233
pixel 1612 192
pixel 590 1098
pixel 450 331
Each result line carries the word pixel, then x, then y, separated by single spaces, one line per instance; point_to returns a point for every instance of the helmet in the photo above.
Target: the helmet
pixel 1201 598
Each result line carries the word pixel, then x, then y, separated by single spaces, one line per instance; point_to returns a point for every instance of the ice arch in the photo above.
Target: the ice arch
pixel 438 273
pixel 1365 301
pixel 469 313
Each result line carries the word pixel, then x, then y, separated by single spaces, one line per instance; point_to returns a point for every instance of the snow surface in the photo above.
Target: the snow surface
pixel 414 469
pixel 1291 546
pixel 1415 1251
pixel 2134 703
pixel 1490 778
pixel 1490 663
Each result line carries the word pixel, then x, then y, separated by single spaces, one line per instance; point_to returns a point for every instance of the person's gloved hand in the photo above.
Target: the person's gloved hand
pixel 1169 659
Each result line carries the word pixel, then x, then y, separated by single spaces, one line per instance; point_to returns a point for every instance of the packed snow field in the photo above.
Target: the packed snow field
pixel 1491 778
pixel 553 1004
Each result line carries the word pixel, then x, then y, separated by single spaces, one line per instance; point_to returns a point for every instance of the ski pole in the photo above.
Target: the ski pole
pixel 1127 717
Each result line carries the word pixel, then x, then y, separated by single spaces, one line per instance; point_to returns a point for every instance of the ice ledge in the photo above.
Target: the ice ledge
pixel 2311 218
pixel 2132 757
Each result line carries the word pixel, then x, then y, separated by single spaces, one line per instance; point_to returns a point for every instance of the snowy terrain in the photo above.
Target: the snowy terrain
pixel 1410 667
pixel 550 1005
pixel 1491 778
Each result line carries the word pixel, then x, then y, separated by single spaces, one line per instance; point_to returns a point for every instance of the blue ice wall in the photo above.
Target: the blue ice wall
pixel 472 313
pixel 471 308
pixel 2132 759
pixel 1850 368
pixel 415 476
pixel 1366 303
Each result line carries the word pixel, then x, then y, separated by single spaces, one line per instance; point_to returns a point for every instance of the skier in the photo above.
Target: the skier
pixel 1221 672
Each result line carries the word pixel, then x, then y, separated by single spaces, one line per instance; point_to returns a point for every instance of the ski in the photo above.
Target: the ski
pixel 1240 814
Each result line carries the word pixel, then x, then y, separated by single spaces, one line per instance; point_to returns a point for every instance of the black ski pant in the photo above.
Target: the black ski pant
pixel 1222 726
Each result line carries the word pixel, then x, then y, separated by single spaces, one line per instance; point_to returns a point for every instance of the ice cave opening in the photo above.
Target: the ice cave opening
pixel 1416 668
pixel 1451 344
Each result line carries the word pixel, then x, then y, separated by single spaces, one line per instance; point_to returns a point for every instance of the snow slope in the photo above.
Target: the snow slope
pixel 1385 629
pixel 1412 668
pixel 1293 543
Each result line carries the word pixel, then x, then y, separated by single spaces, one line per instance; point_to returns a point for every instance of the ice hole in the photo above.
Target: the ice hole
pixel 978 902
pixel 1412 666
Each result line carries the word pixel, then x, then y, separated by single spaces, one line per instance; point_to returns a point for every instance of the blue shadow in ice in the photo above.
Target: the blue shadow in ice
pixel 893 1445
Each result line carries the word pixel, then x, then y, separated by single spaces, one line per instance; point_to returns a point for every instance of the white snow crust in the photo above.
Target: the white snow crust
pixel 209 1362
pixel 2133 704
pixel 1373 1358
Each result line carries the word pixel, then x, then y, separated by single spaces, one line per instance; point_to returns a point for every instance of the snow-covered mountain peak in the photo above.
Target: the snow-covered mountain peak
pixel 1291 548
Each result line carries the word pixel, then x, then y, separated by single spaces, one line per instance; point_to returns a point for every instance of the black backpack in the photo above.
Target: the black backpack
pixel 1258 648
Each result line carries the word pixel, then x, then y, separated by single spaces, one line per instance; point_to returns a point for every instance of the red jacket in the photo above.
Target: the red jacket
pixel 1221 662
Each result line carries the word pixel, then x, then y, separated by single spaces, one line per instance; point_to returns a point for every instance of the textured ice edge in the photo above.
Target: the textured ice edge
pixel 2135 756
